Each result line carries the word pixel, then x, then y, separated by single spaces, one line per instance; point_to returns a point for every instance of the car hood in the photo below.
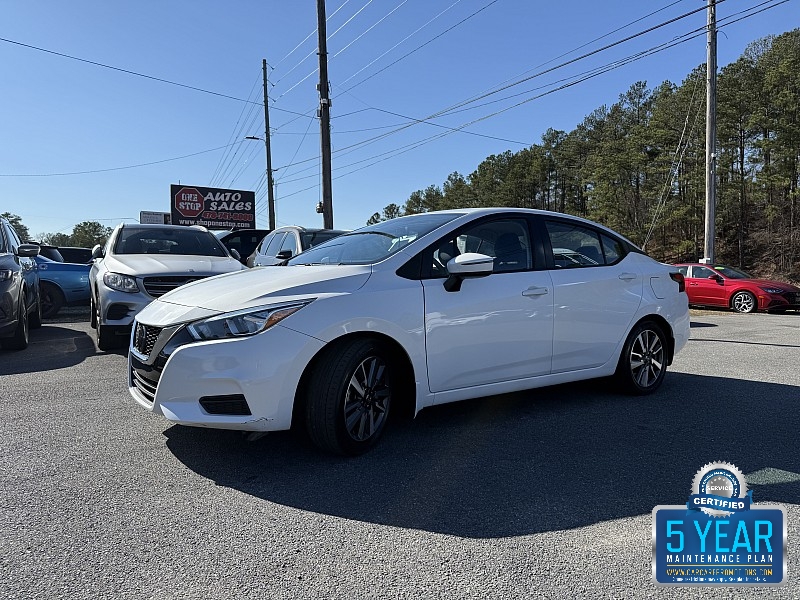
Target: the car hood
pixel 263 285
pixel 777 284
pixel 147 265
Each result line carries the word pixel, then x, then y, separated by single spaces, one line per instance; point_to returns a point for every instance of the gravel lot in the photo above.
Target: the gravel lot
pixel 543 494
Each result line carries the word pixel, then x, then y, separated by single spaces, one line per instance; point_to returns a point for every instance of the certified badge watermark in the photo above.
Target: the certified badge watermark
pixel 719 538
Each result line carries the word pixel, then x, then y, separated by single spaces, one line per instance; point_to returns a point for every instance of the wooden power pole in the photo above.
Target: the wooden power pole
pixel 324 118
pixel 711 132
pixel 270 191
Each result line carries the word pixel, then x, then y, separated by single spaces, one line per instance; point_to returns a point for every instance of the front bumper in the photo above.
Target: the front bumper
pixel 120 308
pixel 263 369
pixel 787 301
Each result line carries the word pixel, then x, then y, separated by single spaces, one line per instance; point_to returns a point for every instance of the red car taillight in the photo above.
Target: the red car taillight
pixel 680 279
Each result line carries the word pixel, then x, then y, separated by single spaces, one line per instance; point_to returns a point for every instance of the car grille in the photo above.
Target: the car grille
pixel 144 338
pixel 145 378
pixel 792 297
pixel 158 286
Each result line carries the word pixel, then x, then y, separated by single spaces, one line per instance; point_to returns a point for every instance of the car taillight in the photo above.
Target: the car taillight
pixel 680 279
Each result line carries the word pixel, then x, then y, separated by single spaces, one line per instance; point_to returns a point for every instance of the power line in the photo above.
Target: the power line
pixel 589 75
pixel 305 39
pixel 147 164
pixel 476 98
pixel 370 28
pixel 413 33
pixel 137 74
pixel 234 134
pixel 314 51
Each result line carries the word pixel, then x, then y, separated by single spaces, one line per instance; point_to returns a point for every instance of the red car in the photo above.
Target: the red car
pixel 718 285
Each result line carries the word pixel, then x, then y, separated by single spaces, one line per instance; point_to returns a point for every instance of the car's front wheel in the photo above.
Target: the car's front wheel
pixel 643 362
pixel 744 302
pixel 349 396
pixel 106 340
pixel 19 341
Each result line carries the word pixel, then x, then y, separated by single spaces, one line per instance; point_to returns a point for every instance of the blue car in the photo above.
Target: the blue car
pixel 62 284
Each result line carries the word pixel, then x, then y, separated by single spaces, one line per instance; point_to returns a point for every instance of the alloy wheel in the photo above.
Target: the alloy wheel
pixel 367 399
pixel 646 358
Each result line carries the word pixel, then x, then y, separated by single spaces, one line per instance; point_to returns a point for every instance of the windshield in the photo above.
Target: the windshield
pixel 309 239
pixel 374 243
pixel 732 273
pixel 168 240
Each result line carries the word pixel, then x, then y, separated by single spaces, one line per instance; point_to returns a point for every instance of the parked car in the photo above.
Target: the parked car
pixel 407 313
pixel 76 254
pixel 244 241
pixel 721 286
pixel 142 262
pixel 62 284
pixel 286 242
pixel 20 301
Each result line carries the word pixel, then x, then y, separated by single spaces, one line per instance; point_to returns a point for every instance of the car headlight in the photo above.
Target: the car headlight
pixel 242 323
pixel 122 283
pixel 773 290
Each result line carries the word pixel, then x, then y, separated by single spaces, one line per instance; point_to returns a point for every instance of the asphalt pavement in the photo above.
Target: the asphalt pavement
pixel 541 494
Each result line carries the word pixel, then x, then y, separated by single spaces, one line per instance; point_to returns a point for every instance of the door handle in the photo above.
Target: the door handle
pixel 627 276
pixel 535 291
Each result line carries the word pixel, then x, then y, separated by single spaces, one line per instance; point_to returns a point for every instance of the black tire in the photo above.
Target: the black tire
pixel 744 302
pixel 19 341
pixel 349 396
pixel 52 299
pixel 35 318
pixel 106 340
pixel 643 362
pixel 93 313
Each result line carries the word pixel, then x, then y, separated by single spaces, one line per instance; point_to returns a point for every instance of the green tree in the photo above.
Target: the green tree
pixel 56 239
pixel 16 223
pixel 89 233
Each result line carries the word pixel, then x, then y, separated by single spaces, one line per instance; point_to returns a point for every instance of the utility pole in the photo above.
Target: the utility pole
pixel 711 132
pixel 324 118
pixel 270 185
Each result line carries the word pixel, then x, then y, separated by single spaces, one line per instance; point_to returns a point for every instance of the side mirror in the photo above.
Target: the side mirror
pixel 27 250
pixel 97 252
pixel 284 254
pixel 235 254
pixel 717 278
pixel 463 266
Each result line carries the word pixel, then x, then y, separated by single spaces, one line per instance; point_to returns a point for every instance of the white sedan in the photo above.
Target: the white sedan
pixel 415 311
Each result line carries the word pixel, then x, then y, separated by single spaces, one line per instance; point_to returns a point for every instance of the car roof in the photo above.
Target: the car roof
pixel 160 226
pixel 306 229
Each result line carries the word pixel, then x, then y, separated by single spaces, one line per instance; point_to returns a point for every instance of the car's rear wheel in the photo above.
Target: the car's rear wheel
pixel 19 341
pixel 744 302
pixel 643 362
pixel 52 300
pixel 349 396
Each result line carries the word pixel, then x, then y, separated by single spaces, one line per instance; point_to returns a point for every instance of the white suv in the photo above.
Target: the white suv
pixel 142 262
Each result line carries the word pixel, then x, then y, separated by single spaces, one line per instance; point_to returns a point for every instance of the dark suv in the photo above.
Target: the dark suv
pixel 244 241
pixel 20 302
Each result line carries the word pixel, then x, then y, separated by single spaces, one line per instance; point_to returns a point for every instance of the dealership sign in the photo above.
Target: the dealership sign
pixel 214 208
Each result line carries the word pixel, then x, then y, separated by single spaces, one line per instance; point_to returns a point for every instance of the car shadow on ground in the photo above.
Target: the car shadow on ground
pixel 544 460
pixel 51 347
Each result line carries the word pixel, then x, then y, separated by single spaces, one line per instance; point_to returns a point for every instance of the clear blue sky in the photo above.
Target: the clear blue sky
pixel 59 115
